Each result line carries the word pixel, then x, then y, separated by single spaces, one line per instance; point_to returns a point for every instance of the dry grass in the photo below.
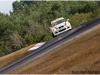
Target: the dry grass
pixel 5 60
pixel 79 55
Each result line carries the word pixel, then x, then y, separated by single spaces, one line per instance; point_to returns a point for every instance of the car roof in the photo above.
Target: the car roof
pixel 56 20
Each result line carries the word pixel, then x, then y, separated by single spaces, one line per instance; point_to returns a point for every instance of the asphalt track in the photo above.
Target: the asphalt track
pixel 50 44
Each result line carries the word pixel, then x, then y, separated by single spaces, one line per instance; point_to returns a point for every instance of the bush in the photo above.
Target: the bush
pixel 96 13
pixel 78 19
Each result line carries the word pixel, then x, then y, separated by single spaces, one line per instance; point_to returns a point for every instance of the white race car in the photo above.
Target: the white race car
pixel 59 26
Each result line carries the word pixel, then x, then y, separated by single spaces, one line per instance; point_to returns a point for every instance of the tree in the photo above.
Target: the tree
pixel 22 2
pixel 90 7
pixel 16 41
pixel 35 30
pixel 16 5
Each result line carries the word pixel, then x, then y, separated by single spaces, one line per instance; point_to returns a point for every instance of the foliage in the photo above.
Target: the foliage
pixel 28 23
pixel 78 19
pixel 96 13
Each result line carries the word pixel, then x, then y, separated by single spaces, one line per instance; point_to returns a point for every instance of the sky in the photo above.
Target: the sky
pixel 6 6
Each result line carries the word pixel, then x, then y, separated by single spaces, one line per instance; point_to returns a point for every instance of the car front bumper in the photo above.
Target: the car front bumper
pixel 61 31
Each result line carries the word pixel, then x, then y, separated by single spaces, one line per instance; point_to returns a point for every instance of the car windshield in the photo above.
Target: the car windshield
pixel 58 22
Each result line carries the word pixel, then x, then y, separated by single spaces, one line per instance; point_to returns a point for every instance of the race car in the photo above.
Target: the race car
pixel 59 26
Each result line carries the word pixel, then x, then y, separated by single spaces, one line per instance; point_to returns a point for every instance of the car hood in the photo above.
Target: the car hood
pixel 59 25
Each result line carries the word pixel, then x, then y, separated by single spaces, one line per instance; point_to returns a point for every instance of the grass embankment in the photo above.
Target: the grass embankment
pixel 5 60
pixel 80 55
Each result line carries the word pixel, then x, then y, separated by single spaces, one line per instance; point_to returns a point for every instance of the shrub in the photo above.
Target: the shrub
pixel 78 19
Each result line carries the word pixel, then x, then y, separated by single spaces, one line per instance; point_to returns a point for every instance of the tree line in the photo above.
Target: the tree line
pixel 28 23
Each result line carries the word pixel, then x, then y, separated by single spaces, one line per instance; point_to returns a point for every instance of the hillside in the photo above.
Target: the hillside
pixel 79 55
pixel 5 60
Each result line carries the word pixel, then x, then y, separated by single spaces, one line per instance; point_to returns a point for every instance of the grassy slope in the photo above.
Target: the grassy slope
pixel 81 54
pixel 13 56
